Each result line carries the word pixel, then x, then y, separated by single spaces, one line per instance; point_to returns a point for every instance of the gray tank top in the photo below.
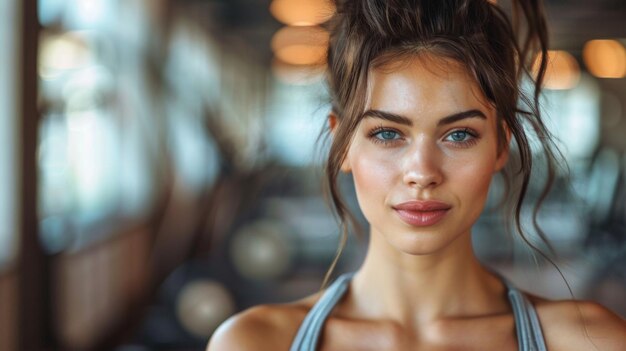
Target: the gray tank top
pixel 529 335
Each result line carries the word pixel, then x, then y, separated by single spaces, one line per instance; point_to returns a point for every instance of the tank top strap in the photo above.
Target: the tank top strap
pixel 529 334
pixel 528 328
pixel 308 335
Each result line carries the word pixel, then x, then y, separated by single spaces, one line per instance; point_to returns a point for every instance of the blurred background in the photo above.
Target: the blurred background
pixel 160 168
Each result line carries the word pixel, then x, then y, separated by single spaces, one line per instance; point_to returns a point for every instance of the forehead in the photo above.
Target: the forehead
pixel 424 84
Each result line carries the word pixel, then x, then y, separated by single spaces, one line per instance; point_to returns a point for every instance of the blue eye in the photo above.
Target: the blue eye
pixel 387 135
pixel 462 138
pixel 459 135
pixel 384 136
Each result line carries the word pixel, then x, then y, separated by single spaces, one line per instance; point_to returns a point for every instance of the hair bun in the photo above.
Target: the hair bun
pixel 414 18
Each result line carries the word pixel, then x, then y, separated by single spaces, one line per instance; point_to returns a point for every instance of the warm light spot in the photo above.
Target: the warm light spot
pixel 62 52
pixel 297 74
pixel 302 12
pixel 301 54
pixel 605 58
pixel 301 45
pixel 562 70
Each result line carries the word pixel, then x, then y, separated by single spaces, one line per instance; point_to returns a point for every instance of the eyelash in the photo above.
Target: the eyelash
pixel 374 132
pixel 372 135
pixel 465 143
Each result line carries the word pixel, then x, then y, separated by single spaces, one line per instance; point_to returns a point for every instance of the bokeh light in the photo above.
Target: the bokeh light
pixel 302 12
pixel 202 305
pixel 562 71
pixel 605 58
pixel 262 250
pixel 297 74
pixel 62 52
pixel 300 45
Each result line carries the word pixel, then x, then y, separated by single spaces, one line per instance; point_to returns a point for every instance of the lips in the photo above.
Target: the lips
pixel 422 213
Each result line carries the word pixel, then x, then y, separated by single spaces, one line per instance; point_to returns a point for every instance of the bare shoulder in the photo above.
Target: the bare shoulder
pixel 264 327
pixel 580 325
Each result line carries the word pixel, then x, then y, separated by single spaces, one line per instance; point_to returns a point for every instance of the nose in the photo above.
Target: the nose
pixel 422 166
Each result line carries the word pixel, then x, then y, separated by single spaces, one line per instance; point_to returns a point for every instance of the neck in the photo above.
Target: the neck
pixel 417 289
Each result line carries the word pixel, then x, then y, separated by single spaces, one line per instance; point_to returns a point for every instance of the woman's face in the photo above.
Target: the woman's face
pixel 424 154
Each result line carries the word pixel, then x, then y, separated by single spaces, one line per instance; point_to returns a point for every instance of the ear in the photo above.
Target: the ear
pixel 503 156
pixel 333 122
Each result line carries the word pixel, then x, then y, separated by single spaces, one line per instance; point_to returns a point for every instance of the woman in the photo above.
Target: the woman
pixel 425 103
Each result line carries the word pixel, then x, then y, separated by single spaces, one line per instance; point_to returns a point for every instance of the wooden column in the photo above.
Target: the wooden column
pixel 34 325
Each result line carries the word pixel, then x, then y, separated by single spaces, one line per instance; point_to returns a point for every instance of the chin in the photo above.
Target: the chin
pixel 420 244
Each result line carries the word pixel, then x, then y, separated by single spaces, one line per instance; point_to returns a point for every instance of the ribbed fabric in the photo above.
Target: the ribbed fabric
pixel 529 335
pixel 311 327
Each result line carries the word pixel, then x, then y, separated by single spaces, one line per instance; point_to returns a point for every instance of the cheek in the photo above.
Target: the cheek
pixel 471 179
pixel 373 175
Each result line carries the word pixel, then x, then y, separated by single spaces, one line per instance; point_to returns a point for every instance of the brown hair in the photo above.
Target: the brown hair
pixel 496 51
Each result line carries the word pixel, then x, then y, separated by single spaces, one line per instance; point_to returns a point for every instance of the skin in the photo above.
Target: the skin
pixel 422 287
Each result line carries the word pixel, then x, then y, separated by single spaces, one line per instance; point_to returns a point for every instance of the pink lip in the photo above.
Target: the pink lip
pixel 422 213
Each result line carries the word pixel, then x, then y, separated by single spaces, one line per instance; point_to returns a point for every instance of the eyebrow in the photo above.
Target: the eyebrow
pixel 406 121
